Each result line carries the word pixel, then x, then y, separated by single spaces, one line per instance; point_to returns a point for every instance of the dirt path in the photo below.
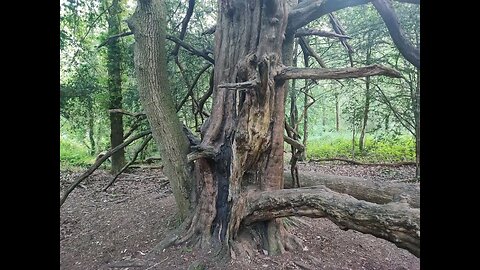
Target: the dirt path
pixel 116 230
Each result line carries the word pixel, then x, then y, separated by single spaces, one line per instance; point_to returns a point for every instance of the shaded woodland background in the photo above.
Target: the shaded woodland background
pixel 372 120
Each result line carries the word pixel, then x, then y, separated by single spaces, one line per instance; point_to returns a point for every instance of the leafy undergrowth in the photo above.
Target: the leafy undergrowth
pixel 74 156
pixel 118 228
pixel 377 150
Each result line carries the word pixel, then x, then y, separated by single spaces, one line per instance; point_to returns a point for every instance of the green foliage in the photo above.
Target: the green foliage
pixel 377 149
pixel 73 154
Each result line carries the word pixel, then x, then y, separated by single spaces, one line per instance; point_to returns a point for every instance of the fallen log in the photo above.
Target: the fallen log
pixel 396 222
pixel 360 188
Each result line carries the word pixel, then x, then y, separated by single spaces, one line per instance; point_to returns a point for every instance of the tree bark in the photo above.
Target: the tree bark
pixel 395 222
pixel 239 160
pixel 147 24
pixel 403 44
pixel 115 86
pixel 379 192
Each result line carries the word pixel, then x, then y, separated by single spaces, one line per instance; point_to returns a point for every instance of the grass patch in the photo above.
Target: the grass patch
pixel 74 156
pixel 379 149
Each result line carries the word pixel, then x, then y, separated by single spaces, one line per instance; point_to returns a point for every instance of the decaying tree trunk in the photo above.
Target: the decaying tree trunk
pixel 237 180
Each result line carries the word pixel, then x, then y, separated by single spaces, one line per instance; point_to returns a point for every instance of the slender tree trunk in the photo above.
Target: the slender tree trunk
pixel 353 132
pixel 305 120
pixel 115 86
pixel 305 110
pixel 417 125
pixel 366 110
pixel 147 24
pixel 91 127
pixel 324 115
pixel 361 140
pixel 337 113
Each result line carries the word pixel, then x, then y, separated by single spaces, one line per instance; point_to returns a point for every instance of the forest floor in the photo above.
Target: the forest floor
pixel 118 228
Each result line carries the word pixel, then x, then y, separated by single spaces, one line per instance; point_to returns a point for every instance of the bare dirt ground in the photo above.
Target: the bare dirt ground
pixel 118 228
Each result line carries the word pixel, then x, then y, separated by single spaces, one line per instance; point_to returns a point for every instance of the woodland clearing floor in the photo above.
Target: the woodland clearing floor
pixel 117 229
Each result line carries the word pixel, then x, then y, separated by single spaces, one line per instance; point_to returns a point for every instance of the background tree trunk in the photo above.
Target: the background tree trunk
pixel 147 24
pixel 91 127
pixel 337 113
pixel 306 104
pixel 115 86
pixel 361 140
pixel 417 125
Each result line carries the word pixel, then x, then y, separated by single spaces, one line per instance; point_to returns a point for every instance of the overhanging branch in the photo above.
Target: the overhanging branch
pixel 191 49
pixel 406 48
pixel 315 32
pixel 308 11
pixel 336 73
pixel 186 46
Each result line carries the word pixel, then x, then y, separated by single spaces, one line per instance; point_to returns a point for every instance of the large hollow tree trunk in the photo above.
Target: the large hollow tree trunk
pixel 147 24
pixel 115 87
pixel 245 138
pixel 238 164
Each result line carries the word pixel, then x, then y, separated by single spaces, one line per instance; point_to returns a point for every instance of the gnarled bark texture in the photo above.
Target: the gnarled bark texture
pixel 246 127
pixel 236 184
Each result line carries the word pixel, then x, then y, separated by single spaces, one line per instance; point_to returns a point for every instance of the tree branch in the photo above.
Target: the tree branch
pixel 100 161
pixel 315 32
pixel 112 38
pixel 335 73
pixel 408 50
pixel 191 49
pixel 137 151
pixel 395 222
pixel 307 49
pixel 136 115
pixel 190 89
pixel 183 31
pixel 240 85
pixel 293 143
pixel 210 30
pixel 204 98
pixel 188 47
pixel 308 11
pixel 339 30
